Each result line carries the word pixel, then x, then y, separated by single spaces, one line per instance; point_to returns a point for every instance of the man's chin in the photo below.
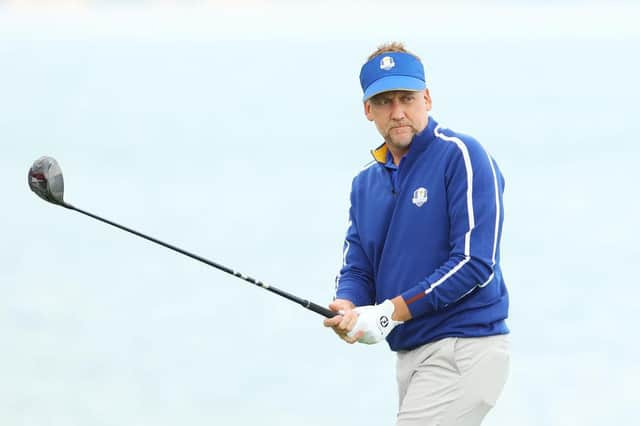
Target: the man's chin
pixel 401 142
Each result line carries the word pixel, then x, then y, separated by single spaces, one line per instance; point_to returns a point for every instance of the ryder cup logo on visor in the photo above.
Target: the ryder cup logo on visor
pixel 387 63
pixel 419 196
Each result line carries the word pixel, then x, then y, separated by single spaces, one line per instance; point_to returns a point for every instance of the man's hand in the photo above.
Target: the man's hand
pixel 374 323
pixel 342 324
pixel 365 324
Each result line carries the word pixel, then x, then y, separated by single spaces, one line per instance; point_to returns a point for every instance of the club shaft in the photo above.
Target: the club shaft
pixel 302 302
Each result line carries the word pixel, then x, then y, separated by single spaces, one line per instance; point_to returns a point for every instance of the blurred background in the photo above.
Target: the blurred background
pixel 233 129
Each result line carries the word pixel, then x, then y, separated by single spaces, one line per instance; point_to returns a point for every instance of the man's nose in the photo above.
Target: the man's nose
pixel 397 110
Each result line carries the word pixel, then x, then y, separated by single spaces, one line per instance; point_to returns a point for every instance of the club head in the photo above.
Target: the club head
pixel 45 179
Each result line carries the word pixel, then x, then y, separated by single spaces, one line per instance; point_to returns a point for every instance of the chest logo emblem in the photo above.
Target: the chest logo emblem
pixel 387 63
pixel 420 196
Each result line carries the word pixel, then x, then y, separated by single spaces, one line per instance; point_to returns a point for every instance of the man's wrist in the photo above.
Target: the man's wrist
pixel 401 310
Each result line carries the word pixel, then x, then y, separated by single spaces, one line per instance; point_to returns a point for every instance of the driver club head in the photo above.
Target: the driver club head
pixel 45 179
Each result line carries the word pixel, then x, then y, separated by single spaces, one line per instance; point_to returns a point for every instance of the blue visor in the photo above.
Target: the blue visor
pixel 391 71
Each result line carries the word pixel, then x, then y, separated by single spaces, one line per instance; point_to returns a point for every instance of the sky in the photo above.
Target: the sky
pixel 233 130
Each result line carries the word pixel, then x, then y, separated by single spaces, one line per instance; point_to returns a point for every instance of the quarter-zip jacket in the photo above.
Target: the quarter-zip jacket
pixel 433 238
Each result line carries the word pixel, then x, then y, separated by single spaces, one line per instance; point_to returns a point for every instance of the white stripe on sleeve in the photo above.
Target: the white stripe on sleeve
pixel 470 213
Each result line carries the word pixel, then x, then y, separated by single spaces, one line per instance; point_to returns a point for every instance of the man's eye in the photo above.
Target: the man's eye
pixel 408 98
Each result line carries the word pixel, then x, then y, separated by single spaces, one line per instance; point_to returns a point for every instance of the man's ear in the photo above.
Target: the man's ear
pixel 427 99
pixel 367 110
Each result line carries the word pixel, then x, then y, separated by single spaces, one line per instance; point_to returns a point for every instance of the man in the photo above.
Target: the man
pixel 422 253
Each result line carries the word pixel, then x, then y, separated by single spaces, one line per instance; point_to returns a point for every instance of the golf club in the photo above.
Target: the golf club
pixel 45 179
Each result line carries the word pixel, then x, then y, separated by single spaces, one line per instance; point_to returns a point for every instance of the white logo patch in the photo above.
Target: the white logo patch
pixel 387 63
pixel 420 196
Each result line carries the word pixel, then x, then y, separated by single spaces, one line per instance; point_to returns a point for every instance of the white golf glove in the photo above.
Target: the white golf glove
pixel 375 321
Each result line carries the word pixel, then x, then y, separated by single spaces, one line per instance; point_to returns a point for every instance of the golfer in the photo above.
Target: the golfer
pixel 422 253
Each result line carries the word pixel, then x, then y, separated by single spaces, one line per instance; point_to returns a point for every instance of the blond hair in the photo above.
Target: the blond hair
pixel 394 46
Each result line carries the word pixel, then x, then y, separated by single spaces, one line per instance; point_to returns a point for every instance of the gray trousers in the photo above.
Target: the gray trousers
pixel 453 381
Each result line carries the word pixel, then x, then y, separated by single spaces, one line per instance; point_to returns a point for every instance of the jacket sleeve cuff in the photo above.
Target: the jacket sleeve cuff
pixel 417 301
pixel 355 292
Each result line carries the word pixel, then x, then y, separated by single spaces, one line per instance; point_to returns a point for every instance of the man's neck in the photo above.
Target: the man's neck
pixel 397 154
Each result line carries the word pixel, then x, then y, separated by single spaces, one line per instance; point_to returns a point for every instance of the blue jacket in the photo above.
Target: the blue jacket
pixel 432 237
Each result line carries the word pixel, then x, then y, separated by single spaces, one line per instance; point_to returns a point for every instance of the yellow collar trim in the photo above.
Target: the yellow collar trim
pixel 380 153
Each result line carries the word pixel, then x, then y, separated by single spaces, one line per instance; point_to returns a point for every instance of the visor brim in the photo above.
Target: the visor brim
pixel 393 82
